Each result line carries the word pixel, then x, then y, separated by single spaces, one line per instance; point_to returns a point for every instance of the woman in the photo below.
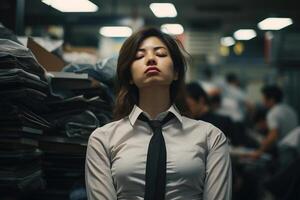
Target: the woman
pixel 131 159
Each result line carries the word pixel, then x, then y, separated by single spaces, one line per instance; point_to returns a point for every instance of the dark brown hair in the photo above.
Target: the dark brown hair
pixel 127 94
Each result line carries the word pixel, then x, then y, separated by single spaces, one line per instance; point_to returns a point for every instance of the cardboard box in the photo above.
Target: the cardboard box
pixel 48 60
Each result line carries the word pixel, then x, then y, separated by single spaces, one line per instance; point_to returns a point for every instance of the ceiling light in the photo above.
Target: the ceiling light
pixel 227 41
pixel 163 9
pixel 115 31
pixel 274 23
pixel 244 34
pixel 72 6
pixel 173 29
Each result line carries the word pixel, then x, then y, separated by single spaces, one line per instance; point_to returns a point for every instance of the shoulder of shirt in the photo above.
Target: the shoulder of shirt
pixel 106 129
pixel 208 127
pixel 214 136
pixel 277 109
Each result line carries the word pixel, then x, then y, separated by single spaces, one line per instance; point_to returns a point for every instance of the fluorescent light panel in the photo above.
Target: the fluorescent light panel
pixel 274 23
pixel 173 29
pixel 72 6
pixel 115 31
pixel 227 41
pixel 163 9
pixel 244 34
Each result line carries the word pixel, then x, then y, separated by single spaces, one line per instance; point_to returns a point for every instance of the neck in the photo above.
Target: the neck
pixel 272 104
pixel 154 100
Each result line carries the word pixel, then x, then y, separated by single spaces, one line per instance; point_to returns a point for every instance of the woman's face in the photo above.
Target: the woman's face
pixel 153 64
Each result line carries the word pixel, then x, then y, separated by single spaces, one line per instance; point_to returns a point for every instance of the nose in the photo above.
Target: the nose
pixel 151 60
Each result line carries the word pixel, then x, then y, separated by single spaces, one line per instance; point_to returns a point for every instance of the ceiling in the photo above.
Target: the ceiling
pixel 193 14
pixel 223 17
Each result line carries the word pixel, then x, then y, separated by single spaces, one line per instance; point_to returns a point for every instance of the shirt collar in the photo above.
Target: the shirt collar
pixel 136 111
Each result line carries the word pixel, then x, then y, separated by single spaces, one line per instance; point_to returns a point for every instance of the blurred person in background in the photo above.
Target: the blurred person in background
pixel 260 126
pixel 281 119
pixel 210 83
pixel 199 106
pixel 233 99
pixel 289 147
pixel 234 103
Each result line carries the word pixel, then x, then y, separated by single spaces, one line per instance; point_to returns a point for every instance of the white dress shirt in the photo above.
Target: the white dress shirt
pixel 198 161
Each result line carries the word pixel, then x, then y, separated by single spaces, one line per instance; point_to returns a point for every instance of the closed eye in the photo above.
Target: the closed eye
pixel 161 54
pixel 161 51
pixel 139 56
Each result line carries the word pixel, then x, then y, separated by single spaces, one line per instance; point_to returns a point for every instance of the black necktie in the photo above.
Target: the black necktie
pixel 155 187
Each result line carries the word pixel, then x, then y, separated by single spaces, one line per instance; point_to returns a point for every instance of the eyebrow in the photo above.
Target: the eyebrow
pixel 155 48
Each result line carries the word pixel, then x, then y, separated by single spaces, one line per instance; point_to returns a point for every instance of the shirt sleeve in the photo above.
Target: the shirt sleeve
pixel 272 121
pixel 99 182
pixel 218 180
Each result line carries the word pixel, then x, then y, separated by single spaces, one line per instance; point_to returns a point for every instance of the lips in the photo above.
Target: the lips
pixel 152 68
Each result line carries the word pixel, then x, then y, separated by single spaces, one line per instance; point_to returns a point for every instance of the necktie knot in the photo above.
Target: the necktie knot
pixel 155 124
